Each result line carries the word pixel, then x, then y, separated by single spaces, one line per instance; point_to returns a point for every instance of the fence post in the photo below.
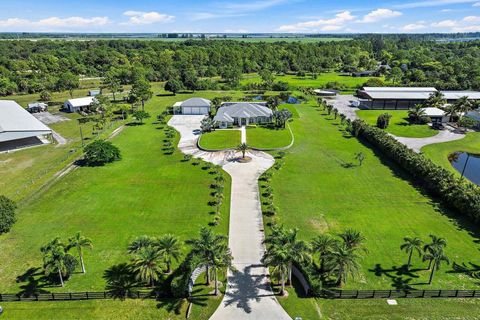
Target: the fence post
pixel 474 293
pixel 86 294
pixel 356 296
pixel 456 293
pixel 138 294
pixel 70 295
pixel 341 293
pixel 104 294
pixel 36 296
pixel 1 297
pixel 53 296
pixel 423 294
pixel 389 293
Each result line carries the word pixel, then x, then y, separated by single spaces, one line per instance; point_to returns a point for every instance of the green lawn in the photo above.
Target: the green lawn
pixel 322 189
pixel 399 124
pixel 351 83
pixel 220 139
pixel 266 138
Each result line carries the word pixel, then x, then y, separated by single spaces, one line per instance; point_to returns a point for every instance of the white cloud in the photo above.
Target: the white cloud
pixel 380 14
pixel 334 24
pixel 209 15
pixel 445 24
pixel 53 23
pixel 471 19
pixel 474 28
pixel 413 27
pixel 476 4
pixel 140 17
pixel 253 6
pixel 236 30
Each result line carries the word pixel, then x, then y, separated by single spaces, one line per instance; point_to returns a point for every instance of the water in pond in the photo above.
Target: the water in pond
pixel 469 162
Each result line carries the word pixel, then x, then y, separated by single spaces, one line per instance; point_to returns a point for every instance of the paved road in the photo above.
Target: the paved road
pixel 249 295
pixel 343 105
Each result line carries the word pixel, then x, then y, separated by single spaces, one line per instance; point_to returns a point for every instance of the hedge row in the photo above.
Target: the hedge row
pixel 456 193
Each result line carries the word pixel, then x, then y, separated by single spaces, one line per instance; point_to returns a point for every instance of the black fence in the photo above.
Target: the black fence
pixel 68 296
pixel 385 294
pixel 327 294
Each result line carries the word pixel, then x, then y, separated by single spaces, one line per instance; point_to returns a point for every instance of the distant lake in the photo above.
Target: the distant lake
pixel 472 170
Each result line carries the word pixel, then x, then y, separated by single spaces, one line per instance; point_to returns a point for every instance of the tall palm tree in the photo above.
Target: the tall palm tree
pixel 147 265
pixel 204 247
pixel 298 251
pixel 435 100
pixel 343 261
pixel 221 258
pixel 409 246
pixel 78 241
pixel 170 248
pixel 140 243
pixel 463 105
pixel 450 111
pixel 352 239
pixel 435 244
pixel 323 245
pixel 436 256
pixel 55 260
pixel 243 147
pixel 278 259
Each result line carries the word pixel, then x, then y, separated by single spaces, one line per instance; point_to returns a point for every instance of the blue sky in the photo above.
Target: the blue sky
pixel 302 16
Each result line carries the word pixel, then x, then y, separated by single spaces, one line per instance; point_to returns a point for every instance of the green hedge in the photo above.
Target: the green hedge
pixel 455 193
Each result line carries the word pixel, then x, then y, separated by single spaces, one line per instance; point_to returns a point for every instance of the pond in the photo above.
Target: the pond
pixel 467 163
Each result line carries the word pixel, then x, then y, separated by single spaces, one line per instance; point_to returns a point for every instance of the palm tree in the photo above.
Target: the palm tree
pixel 140 243
pixel 343 262
pixel 352 239
pixel 323 245
pixel 78 241
pixel 463 105
pixel 436 244
pixel 221 258
pixel 243 147
pixel 450 111
pixel 435 100
pixel 298 251
pixel 278 259
pixel 147 266
pixel 436 256
pixel 409 246
pixel 170 248
pixel 55 260
pixel 204 247
pixel 416 113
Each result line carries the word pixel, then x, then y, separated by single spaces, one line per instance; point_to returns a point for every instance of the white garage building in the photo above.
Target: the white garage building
pixel 193 106
pixel 18 128
pixel 78 104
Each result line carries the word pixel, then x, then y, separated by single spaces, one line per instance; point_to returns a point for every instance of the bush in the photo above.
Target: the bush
pixel 457 194
pixel 374 82
pixel 7 214
pixel 383 120
pixel 101 152
pixel 280 86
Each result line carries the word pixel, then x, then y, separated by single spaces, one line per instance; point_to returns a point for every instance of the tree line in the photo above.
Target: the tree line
pixel 47 65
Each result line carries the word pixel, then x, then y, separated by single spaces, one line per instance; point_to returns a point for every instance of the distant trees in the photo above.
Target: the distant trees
pixel 142 89
pixel 7 214
pixel 68 81
pixel 101 152
pixel 141 115
pixel 45 95
pixel 112 82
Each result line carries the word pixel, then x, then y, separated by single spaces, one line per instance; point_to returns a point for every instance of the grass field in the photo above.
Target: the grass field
pixel 266 138
pixel 220 139
pixel 350 83
pixel 439 152
pixel 321 189
pixel 399 124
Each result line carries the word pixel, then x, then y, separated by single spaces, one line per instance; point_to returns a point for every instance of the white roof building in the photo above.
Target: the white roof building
pixel 242 113
pixel 74 105
pixel 194 106
pixel 17 123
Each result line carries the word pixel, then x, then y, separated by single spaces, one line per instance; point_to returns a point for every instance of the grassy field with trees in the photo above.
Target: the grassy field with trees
pixel 399 123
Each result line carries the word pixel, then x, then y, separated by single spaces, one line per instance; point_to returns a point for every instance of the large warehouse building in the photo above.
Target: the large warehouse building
pixel 18 128
pixel 405 97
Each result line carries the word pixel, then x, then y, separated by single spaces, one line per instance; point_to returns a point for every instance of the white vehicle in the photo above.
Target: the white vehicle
pixel 355 103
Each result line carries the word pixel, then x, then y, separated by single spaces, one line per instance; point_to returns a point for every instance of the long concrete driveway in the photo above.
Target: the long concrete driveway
pixel 249 294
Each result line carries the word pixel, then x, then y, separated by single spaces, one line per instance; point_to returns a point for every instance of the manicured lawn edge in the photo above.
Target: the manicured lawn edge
pixel 280 148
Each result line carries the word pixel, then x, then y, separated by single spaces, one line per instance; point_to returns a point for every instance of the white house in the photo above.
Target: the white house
pixel 79 104
pixel 194 106
pixel 437 115
pixel 17 124
pixel 242 113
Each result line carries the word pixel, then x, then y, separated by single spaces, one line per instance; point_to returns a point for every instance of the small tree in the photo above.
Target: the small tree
pixel 139 115
pixel 243 149
pixel 101 152
pixel 7 214
pixel 383 120
pixel 78 241
pixel 170 248
pixel 45 95
pixel 173 85
pixel 360 157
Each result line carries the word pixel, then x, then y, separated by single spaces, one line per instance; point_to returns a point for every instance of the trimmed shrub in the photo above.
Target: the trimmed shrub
pixel 100 152
pixel 383 120
pixel 7 214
